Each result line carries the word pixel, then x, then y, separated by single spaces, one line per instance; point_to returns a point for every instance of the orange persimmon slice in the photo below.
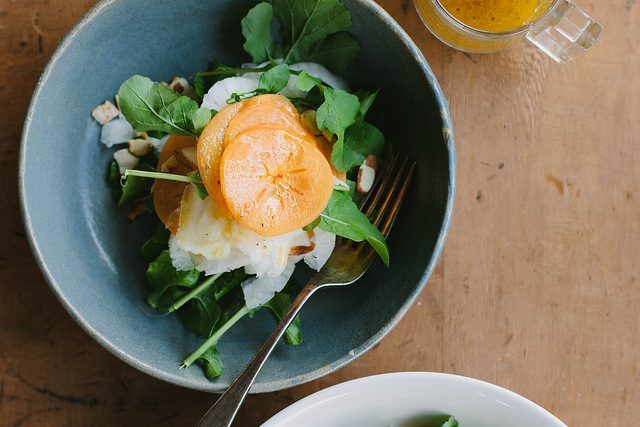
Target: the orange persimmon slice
pixel 210 147
pixel 275 181
pixel 325 148
pixel 265 109
pixel 168 194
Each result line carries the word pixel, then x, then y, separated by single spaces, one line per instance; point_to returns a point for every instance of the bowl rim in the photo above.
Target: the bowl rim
pixel 351 387
pixel 216 387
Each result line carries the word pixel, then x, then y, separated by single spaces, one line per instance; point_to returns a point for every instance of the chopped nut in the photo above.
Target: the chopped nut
pixel 301 250
pixel 105 112
pixel 139 147
pixel 371 161
pixel 189 153
pixel 181 85
pixel 118 103
pixel 178 84
pixel 169 164
pixel 366 176
pixel 125 160
pixel 142 135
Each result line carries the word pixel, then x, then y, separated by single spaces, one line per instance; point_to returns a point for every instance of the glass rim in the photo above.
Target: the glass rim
pixel 508 33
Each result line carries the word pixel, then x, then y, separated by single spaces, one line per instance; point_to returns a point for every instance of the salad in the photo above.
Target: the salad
pixel 434 420
pixel 247 170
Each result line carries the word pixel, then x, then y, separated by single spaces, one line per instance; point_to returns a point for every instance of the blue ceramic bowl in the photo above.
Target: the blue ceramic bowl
pixel 89 252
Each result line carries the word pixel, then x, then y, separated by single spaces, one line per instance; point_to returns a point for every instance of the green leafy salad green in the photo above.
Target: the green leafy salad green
pixel 298 49
pixel 435 420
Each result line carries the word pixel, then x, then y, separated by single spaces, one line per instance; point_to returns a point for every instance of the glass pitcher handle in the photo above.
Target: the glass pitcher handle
pixel 565 32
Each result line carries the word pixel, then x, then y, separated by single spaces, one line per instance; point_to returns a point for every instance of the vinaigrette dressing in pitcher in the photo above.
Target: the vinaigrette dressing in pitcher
pixel 493 15
pixel 558 27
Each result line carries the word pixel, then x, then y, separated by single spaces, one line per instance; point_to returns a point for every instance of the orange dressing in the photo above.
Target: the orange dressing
pixel 494 15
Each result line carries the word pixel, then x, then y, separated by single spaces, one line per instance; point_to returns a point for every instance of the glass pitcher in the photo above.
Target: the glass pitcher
pixel 558 27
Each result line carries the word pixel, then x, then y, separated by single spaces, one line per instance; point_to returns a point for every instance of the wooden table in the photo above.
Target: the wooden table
pixel 538 289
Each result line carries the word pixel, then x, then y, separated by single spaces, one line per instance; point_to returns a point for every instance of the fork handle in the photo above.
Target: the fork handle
pixel 222 413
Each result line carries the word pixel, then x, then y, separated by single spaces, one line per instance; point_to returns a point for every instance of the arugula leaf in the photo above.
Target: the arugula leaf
pixel 338 111
pixel 306 82
pixel 202 82
pixel 213 364
pixel 314 224
pixel 213 360
pixel 113 178
pixel 199 310
pixel 200 119
pixel 135 187
pixel 256 29
pixel 434 420
pixel 149 106
pixel 342 217
pixel 274 80
pixel 227 282
pixel 157 135
pixel 353 191
pixel 335 52
pixel 166 281
pixel 200 188
pixel 201 314
pixel 342 114
pixel 366 100
pixel 361 139
pixel 278 307
pixel 306 26
pixel 157 243
pixel 451 422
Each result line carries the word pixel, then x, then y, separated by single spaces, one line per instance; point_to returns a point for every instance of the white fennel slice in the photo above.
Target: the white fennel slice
pixel 216 98
pixel 325 243
pixel 116 131
pixel 259 290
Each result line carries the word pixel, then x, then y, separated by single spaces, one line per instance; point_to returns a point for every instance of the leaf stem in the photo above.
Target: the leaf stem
pixel 235 71
pixel 195 291
pixel 213 339
pixel 161 175
pixel 242 71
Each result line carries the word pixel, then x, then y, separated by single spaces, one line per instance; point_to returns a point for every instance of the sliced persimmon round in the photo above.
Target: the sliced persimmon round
pixel 168 194
pixel 268 109
pixel 210 148
pixel 275 181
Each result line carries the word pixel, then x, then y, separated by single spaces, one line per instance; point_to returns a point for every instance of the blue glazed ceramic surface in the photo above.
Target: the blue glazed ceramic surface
pixel 89 252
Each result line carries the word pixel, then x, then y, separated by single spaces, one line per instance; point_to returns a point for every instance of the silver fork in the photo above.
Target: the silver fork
pixel 349 261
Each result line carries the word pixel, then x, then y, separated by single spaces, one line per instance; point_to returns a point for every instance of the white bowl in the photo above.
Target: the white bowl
pixel 394 399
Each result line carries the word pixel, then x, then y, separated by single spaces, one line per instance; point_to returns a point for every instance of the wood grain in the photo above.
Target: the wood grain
pixel 539 286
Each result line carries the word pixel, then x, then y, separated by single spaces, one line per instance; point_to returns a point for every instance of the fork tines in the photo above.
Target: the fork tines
pixel 383 201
